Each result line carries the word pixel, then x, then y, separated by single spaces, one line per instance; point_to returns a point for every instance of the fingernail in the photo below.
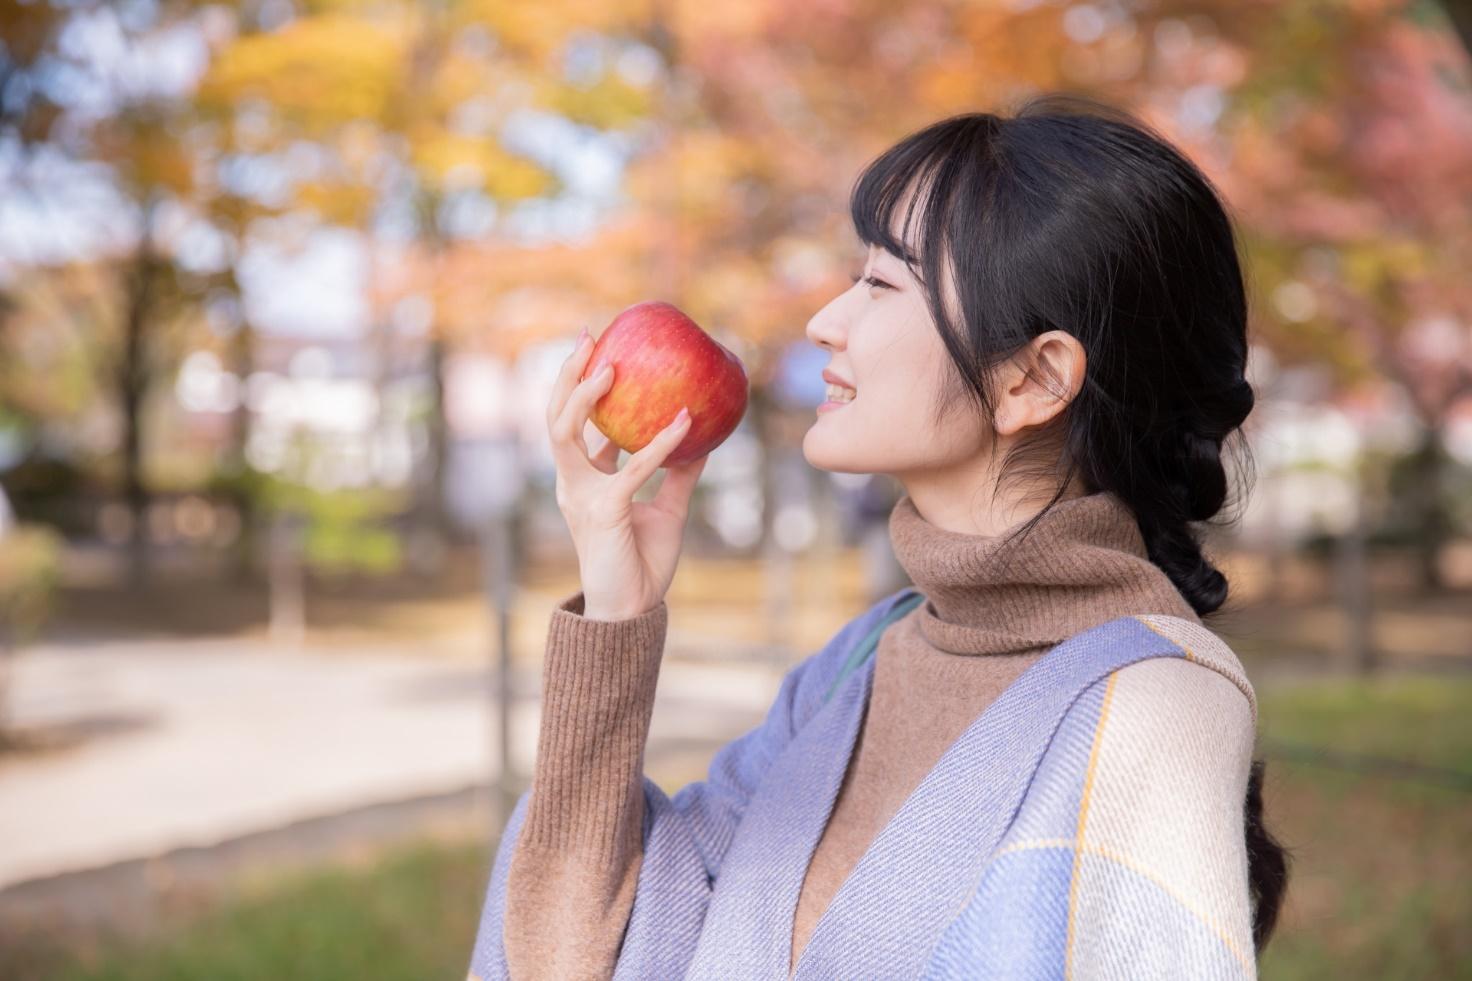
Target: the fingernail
pixel 583 336
pixel 682 417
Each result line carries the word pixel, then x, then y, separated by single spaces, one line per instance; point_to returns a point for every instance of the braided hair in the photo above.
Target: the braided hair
pixel 1069 214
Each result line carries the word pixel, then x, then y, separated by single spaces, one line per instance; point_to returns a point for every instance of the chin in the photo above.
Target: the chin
pixel 825 453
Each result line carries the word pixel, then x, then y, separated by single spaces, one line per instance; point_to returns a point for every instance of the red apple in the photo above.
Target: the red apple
pixel 662 360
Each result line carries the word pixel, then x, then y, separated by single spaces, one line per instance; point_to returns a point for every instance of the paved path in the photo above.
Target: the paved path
pixel 202 741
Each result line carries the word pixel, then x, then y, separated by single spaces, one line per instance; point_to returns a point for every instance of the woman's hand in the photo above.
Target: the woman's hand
pixel 627 550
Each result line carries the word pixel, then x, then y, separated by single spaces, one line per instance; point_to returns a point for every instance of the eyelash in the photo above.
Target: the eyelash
pixel 873 282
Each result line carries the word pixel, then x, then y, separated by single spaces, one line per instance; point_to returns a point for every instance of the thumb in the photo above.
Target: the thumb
pixel 673 496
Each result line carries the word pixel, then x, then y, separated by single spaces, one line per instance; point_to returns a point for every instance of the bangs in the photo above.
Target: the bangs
pixel 917 173
pixel 887 184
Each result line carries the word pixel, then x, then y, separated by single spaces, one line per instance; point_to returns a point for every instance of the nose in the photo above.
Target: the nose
pixel 827 327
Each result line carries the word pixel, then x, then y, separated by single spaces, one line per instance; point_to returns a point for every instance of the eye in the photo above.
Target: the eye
pixel 877 283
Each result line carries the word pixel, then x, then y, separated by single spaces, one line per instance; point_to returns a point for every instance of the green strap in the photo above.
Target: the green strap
pixel 865 647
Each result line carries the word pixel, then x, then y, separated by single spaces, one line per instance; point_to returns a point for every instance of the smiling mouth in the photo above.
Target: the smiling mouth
pixel 836 401
pixel 839 394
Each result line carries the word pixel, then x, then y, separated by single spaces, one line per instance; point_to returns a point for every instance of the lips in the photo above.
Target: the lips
pixel 834 378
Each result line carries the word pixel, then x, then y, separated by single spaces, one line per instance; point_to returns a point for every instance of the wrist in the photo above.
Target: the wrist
pixel 598 610
pixel 601 613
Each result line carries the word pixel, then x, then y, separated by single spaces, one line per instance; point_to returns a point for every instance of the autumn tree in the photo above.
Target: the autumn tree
pixel 88 83
pixel 1353 133
pixel 408 100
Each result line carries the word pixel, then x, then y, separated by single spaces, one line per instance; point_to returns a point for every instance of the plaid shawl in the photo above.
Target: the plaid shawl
pixel 1089 823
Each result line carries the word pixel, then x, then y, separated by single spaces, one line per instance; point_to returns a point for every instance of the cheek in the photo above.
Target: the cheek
pixel 914 414
pixel 900 378
pixel 892 426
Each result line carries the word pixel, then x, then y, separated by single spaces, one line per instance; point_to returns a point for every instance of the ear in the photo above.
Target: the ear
pixel 1054 378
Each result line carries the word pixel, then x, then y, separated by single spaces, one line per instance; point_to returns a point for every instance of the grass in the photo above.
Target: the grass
pixel 410 917
pixel 1421 720
pixel 1378 885
pixel 1378 889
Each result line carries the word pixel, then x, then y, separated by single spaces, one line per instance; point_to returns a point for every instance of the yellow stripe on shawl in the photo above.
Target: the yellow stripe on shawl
pixel 1083 816
pixel 1033 844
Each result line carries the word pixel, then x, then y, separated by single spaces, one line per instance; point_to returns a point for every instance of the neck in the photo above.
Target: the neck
pixel 964 507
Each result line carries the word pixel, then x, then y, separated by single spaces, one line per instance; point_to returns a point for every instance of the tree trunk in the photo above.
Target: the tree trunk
pixel 1353 567
pixel 133 376
pixel 1433 525
pixel 435 512
pixel 237 465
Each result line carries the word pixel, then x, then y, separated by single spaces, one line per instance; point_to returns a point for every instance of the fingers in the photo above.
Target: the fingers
pixel 567 377
pixel 605 458
pixel 568 427
pixel 643 464
pixel 673 496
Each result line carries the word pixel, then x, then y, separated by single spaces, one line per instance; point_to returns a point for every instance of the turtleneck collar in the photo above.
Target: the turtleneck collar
pixel 1082 564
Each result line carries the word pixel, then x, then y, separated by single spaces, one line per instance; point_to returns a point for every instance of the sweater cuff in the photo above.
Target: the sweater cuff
pixel 598 685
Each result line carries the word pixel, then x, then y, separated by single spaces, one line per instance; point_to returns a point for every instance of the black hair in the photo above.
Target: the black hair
pixel 1069 214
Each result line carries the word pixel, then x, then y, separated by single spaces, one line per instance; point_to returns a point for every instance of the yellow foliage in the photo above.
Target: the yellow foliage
pixel 450 161
pixel 538 30
pixel 1369 266
pixel 458 78
pixel 337 203
pixel 695 173
pixel 317 7
pixel 320 70
pixel 608 104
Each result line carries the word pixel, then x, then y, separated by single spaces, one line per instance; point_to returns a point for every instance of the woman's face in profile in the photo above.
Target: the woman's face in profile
pixel 883 343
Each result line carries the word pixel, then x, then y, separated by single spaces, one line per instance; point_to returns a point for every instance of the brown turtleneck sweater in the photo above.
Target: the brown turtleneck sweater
pixel 991 612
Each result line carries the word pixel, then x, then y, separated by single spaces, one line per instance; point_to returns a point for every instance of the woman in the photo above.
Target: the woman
pixel 1045 768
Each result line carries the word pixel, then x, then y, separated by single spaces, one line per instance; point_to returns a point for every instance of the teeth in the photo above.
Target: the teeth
pixel 837 393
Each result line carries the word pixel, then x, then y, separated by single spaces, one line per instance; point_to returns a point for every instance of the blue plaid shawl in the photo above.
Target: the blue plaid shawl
pixel 1087 824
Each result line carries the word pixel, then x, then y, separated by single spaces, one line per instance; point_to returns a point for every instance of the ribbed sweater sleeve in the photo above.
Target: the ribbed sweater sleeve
pixel 572 877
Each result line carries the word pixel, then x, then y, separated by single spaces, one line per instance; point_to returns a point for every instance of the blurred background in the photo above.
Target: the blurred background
pixel 284 285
